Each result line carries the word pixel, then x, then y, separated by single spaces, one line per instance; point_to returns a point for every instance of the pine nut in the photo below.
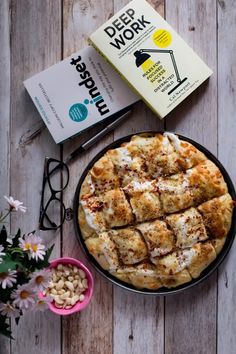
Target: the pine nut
pixel 69 285
pixel 81 297
pixel 60 285
pixel 82 274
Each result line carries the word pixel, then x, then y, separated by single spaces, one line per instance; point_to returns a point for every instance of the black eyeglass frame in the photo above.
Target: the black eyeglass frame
pixel 46 179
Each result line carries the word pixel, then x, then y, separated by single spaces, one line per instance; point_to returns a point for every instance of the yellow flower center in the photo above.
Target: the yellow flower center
pixel 24 294
pixel 34 248
pixel 40 302
pixel 39 279
pixel 27 246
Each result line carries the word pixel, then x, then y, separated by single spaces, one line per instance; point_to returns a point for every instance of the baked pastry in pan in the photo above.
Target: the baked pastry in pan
pixel 154 212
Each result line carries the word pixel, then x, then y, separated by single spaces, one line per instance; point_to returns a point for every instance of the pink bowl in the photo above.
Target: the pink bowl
pixel 88 293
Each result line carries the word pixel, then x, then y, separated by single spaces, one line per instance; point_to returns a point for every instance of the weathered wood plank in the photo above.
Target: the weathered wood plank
pixel 190 323
pixel 91 330
pixel 227 154
pixel 4 119
pixel 35 45
pixel 138 320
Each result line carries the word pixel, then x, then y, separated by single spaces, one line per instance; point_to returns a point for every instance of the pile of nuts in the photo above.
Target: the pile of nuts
pixel 67 285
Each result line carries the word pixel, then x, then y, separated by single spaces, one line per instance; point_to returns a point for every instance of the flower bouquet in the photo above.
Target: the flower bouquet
pixel 23 273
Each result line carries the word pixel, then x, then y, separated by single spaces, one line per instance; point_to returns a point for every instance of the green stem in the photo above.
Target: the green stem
pixel 4 216
pixel 16 249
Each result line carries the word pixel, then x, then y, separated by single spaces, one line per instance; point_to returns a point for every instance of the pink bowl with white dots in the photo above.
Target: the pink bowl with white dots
pixel 88 293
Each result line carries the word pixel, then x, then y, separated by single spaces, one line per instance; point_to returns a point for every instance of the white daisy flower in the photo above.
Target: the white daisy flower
pixel 7 279
pixel 34 246
pixel 23 296
pixel 2 254
pixel 37 252
pixel 40 279
pixel 9 310
pixel 42 304
pixel 15 204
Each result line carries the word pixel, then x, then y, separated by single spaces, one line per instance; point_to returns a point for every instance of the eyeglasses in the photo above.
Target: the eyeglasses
pixel 55 178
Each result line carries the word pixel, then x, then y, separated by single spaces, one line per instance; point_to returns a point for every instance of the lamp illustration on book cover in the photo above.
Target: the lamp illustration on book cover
pixel 143 57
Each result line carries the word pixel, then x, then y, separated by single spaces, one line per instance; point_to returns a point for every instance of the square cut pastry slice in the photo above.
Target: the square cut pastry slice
pixel 188 155
pixel 144 200
pixel 177 279
pixel 91 216
pixel 172 270
pixel 218 244
pixel 102 177
pixel 159 154
pixel 198 257
pixel 194 259
pixel 86 230
pixel 130 245
pixel 103 249
pixel 188 227
pixel 217 215
pixel 143 276
pixel 116 209
pixel 146 206
pixel 206 182
pixel 175 193
pixel 127 166
pixel 158 238
pixel 109 210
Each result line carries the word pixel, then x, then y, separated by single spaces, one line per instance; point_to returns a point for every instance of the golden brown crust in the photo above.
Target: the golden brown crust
pixel 104 251
pixel 109 210
pixel 148 207
pixel 142 276
pixel 188 227
pixel 131 246
pixel 174 192
pixel 104 176
pixel 217 215
pixel 188 155
pixel 204 255
pixel 218 244
pixel 116 209
pixel 206 182
pixel 177 279
pixel 127 166
pixel 86 230
pixel 158 238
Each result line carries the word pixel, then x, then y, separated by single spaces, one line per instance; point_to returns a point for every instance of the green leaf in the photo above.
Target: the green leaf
pixel 16 239
pixel 7 263
pixel 5 327
pixel 3 237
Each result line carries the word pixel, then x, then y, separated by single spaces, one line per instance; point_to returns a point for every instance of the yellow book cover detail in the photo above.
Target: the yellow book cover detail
pixel 157 63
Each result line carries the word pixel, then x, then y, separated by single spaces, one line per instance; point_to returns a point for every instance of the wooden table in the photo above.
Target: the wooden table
pixel 35 34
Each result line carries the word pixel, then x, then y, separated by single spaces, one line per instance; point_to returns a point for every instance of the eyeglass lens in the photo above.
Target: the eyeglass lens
pixel 57 178
pixel 57 181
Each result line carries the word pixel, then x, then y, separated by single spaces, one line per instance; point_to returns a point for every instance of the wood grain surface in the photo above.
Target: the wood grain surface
pixel 5 77
pixel 35 34
pixel 226 318
pixel 197 119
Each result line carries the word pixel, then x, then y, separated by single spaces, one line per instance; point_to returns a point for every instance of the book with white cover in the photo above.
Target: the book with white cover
pixel 77 93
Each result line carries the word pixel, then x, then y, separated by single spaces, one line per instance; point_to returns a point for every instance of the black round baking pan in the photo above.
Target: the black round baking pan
pixel 162 291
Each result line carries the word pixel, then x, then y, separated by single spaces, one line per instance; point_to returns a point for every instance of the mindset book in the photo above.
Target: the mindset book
pixel 147 52
pixel 77 93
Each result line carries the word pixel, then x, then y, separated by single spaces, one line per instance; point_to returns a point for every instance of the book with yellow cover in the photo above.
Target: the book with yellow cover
pixel 146 51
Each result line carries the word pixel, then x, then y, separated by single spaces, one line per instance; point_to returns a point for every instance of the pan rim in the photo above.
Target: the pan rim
pixel 162 291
